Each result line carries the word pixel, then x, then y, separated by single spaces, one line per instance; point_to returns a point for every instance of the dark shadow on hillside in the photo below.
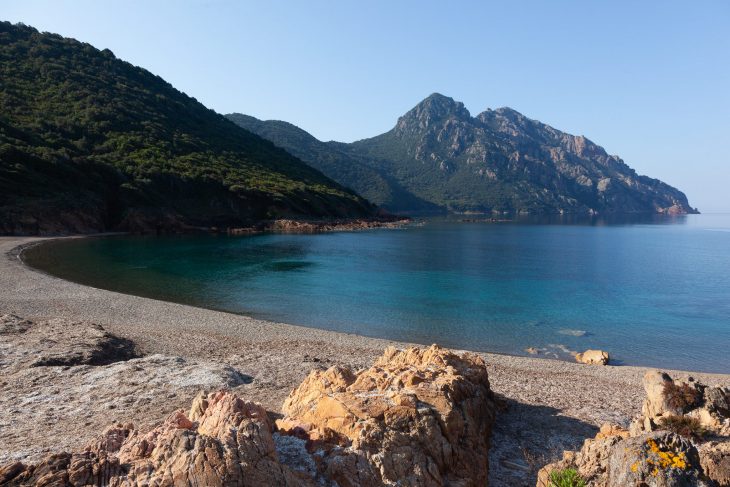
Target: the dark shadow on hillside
pixel 526 437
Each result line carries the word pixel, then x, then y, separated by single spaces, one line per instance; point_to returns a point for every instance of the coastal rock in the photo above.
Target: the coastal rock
pixel 715 461
pixel 420 417
pixel 655 382
pixel 659 459
pixel 303 226
pixel 59 342
pixel 230 443
pixel 666 397
pixel 662 446
pixel 49 407
pixel 591 461
pixel 593 357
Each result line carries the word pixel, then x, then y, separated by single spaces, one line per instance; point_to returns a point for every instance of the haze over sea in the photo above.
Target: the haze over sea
pixel 651 292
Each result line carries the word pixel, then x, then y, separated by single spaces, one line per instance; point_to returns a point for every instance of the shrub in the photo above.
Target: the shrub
pixel 682 397
pixel 684 426
pixel 568 477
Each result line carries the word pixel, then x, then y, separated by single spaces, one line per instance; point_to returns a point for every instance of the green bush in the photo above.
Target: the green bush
pixel 568 477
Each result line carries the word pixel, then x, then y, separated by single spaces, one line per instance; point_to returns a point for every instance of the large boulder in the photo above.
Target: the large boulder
pixel 59 342
pixel 419 417
pixel 593 357
pixel 715 460
pixel 681 439
pixel 223 441
pixel 668 398
pixel 660 459
pixel 655 382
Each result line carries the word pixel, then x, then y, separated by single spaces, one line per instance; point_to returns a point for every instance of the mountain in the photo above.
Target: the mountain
pixel 350 170
pixel 499 161
pixel 92 143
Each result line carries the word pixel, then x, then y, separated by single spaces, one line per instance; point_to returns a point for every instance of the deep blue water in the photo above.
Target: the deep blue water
pixel 650 293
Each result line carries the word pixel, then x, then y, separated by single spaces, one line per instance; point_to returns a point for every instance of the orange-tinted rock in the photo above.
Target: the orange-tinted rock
pixel 420 416
pixel 230 443
pixel 593 357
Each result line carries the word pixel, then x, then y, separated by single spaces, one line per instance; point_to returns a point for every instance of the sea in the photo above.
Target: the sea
pixel 652 291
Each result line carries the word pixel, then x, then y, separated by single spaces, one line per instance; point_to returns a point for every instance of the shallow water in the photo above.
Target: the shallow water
pixel 652 293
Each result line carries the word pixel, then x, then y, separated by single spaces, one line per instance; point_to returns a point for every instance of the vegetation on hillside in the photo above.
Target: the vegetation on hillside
pixel 89 142
pixel 440 157
pixel 333 159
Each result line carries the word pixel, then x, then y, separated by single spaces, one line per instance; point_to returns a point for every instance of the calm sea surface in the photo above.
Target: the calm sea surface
pixel 651 293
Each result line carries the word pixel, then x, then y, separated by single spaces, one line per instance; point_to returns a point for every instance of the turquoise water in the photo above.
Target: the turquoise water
pixel 654 293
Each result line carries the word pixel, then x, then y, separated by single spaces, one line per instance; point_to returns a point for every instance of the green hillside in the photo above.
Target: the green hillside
pixel 347 169
pixel 91 143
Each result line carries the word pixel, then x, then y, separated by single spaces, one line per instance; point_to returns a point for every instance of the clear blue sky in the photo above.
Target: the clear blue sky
pixel 649 81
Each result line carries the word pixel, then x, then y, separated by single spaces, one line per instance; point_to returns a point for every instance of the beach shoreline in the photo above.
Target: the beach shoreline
pixel 550 404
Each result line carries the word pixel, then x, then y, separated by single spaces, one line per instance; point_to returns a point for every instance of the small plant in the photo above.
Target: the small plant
pixel 568 477
pixel 682 397
pixel 684 426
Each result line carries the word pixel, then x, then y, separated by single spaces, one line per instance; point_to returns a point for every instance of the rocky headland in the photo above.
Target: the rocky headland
pixel 440 158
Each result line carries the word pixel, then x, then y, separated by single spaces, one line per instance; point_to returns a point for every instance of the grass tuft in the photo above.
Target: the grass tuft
pixel 684 426
pixel 568 477
pixel 682 397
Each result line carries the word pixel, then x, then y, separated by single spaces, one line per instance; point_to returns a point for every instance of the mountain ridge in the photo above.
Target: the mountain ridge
pixel 499 161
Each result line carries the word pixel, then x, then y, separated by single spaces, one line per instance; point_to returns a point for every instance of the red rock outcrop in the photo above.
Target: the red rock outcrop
pixel 223 441
pixel 420 417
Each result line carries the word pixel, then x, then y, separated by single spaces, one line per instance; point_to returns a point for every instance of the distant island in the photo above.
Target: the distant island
pixel 440 158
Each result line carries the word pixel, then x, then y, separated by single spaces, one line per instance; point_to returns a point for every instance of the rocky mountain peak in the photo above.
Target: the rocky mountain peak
pixel 436 108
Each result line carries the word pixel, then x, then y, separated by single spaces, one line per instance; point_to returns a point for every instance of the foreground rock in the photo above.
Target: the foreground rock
pixel 680 439
pixel 61 381
pixel 592 357
pixel 222 441
pixel 417 417
pixel 58 342
pixel 420 417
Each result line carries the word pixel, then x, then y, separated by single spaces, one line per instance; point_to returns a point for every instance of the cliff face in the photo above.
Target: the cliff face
pixel 501 160
pixel 440 157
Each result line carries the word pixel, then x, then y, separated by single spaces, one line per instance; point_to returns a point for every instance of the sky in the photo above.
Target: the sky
pixel 649 81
